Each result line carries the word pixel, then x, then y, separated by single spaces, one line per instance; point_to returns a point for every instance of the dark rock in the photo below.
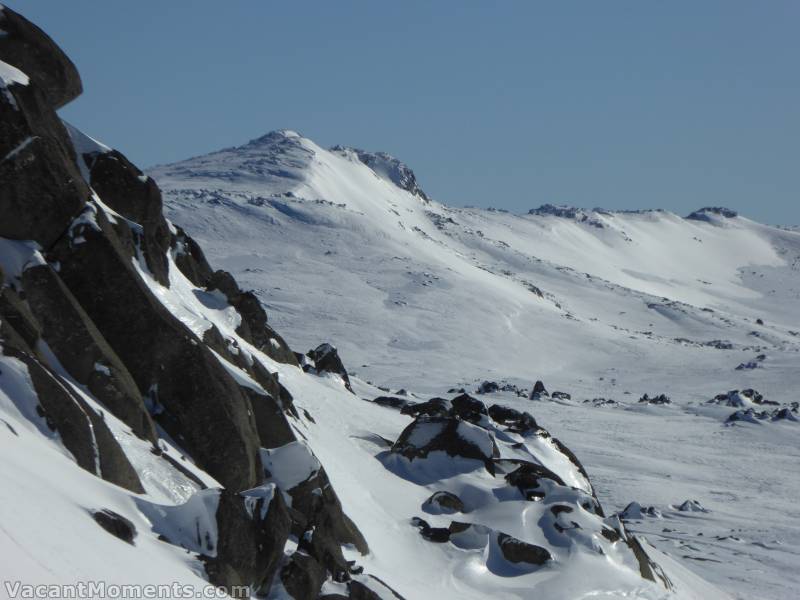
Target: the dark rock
pixel 124 188
pixel 33 52
pixel 364 588
pixel 527 477
pixel 517 551
pixel 67 328
pixel 189 389
pixel 435 407
pixel 648 568
pixel 115 524
pixel 539 391
pixel 514 420
pixel 488 387
pixel 253 527
pixel 83 432
pixel 271 423
pixel 447 434
pixel 443 503
pixel 326 360
pixel 190 259
pixel 561 396
pixel 303 576
pixel 254 327
pixel 468 408
pixel 17 313
pixel 659 399
pixel 438 535
pixel 704 213
pixel 390 401
pixel 41 189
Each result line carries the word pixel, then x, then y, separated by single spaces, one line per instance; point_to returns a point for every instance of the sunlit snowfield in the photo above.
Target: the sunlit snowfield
pixel 424 297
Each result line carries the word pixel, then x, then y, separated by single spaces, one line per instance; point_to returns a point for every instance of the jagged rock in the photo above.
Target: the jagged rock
pixel 561 396
pixel 190 390
pixel 33 52
pixel 42 189
pixel 443 503
pixel 691 506
pixel 438 535
pixel 303 576
pixel 450 435
pixel 468 408
pixel 190 259
pixel 704 214
pixel 273 428
pixel 371 588
pixel 253 527
pixel 659 399
pixel 389 168
pixel 648 568
pixel 741 398
pixel 124 188
pixel 634 510
pixel 66 327
pixel 254 327
pixel 391 401
pixel 514 420
pixel 115 524
pixel 82 431
pixel 326 360
pixel 17 313
pixel 487 387
pixel 517 551
pixel 527 479
pixel 435 407
pixel 539 391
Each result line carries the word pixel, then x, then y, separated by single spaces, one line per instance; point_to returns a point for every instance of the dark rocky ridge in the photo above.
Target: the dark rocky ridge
pixel 86 315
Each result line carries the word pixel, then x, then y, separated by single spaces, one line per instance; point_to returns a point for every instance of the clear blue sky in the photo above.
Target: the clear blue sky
pixel 632 104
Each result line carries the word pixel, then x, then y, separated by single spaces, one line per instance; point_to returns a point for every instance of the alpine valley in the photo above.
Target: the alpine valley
pixel 286 371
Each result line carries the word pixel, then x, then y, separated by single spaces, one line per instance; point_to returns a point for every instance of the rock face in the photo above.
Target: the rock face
pixel 94 324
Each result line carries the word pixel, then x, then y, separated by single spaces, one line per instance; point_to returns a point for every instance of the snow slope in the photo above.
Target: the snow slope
pixel 426 297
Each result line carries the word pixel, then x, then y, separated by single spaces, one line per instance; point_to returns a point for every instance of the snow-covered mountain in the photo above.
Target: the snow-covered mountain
pixel 607 306
pixel 159 435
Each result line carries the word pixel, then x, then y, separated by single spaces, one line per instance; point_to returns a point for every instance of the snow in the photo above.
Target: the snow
pixel 10 75
pixel 16 256
pixel 290 465
pixel 428 297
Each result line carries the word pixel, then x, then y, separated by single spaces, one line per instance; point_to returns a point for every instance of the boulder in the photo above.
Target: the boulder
pixel 253 527
pixel 115 524
pixel 468 408
pixel 539 391
pixel 302 576
pixel 41 189
pixel 190 259
pixel 435 407
pixel 514 420
pixel 517 551
pixel 125 189
pixel 391 401
pixel 33 52
pixel 326 360
pixel 446 434
pixel 443 503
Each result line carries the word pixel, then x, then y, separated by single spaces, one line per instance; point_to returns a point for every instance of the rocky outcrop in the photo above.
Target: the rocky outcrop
pixel 450 435
pixel 116 525
pixel 80 428
pixel 326 360
pixel 253 527
pixel 65 326
pixel 34 53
